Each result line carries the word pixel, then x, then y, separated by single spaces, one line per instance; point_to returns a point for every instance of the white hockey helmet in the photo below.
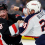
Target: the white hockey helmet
pixel 35 5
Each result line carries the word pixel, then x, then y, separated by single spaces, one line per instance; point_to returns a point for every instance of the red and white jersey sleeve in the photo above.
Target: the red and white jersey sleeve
pixel 14 29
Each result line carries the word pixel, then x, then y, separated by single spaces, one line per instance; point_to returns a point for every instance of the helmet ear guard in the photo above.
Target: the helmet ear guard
pixel 34 5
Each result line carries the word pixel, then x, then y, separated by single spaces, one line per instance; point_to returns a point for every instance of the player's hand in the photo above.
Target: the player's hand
pixel 16 8
pixel 20 21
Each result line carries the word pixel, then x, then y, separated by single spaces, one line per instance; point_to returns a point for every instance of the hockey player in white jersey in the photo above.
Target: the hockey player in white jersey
pixel 34 24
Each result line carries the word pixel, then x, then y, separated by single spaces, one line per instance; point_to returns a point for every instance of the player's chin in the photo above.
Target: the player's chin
pixel 3 17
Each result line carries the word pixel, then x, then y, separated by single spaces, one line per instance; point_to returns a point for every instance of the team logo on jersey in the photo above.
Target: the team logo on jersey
pixel 24 25
pixel 17 15
pixel 1 26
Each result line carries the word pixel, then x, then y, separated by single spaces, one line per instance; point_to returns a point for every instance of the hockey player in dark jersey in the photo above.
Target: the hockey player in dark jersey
pixel 7 20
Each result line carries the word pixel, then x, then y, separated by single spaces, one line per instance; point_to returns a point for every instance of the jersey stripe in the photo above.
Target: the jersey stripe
pixel 14 27
pixel 31 36
pixel 22 9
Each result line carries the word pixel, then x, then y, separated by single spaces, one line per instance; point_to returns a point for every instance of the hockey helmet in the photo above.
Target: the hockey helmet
pixel 3 6
pixel 34 5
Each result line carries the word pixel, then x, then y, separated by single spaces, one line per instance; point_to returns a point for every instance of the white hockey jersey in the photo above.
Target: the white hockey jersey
pixel 34 25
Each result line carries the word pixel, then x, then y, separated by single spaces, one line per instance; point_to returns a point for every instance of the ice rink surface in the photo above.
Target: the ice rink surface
pixel 28 42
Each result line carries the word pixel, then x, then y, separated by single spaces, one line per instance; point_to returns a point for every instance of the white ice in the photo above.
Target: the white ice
pixel 28 42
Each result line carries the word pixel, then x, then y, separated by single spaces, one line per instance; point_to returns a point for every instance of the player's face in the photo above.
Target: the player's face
pixel 32 11
pixel 3 14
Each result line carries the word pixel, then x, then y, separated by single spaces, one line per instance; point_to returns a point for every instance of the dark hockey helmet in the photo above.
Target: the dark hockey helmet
pixel 42 3
pixel 3 7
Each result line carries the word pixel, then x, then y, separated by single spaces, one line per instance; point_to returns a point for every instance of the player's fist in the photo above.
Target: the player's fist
pixel 16 8
pixel 20 22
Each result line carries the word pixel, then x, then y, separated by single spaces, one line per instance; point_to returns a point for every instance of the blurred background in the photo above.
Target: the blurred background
pixel 11 3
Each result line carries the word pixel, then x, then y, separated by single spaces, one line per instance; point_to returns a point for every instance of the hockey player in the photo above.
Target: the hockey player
pixel 34 24
pixel 7 20
pixel 41 39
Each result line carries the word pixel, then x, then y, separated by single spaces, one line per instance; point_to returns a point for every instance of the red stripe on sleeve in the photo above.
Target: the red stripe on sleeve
pixel 0 36
pixel 22 9
pixel 14 27
pixel 1 42
pixel 31 36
